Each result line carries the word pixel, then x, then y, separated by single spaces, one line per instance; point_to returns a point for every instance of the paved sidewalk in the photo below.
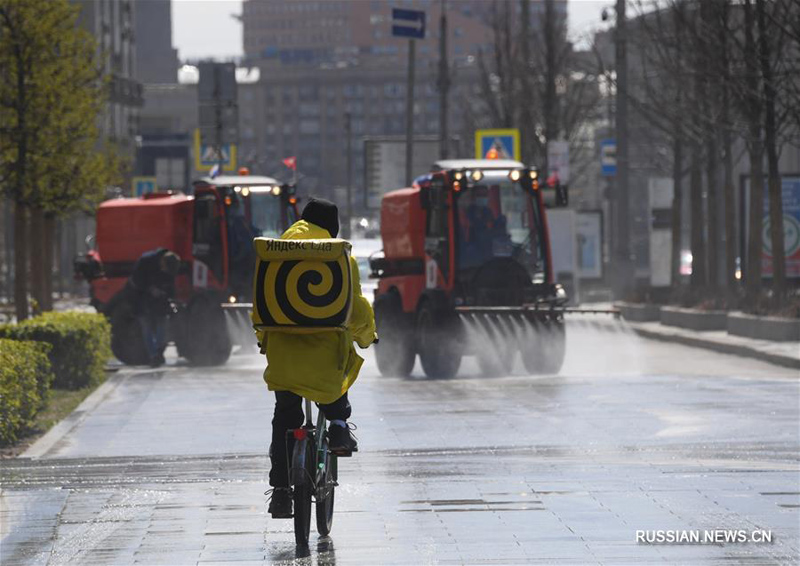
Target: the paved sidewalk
pixel 786 354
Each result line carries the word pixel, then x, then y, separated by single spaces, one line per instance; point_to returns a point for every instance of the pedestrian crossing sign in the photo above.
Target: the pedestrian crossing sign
pixel 497 144
pixel 143 185
pixel 206 157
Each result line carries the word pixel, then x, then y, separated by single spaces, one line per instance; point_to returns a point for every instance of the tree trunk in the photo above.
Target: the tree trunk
pixel 774 178
pixel 528 128
pixel 47 256
pixel 712 205
pixel 21 261
pixel 730 214
pixel 37 258
pixel 699 261
pixel 729 191
pixel 677 207
pixel 754 240
pixel 550 101
pixel 708 64
pixel 8 239
pixel 755 146
pixel 59 257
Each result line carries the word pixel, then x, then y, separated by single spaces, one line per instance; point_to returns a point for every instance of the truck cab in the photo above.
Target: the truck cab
pixel 212 231
pixel 466 250
pixel 229 212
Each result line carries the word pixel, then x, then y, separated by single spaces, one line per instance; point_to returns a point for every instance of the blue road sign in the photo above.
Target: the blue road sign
pixel 608 157
pixel 408 23
pixel 497 144
pixel 143 185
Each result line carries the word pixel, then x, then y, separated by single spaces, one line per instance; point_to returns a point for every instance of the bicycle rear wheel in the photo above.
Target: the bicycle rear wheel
pixel 302 470
pixel 325 494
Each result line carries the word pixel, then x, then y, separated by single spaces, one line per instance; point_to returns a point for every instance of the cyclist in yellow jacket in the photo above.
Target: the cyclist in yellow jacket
pixel 320 366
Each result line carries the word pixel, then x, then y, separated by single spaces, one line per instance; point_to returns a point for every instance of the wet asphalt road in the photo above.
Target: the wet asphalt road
pixel 170 467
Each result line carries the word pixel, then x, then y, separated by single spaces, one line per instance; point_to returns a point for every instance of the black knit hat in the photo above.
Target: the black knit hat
pixel 323 213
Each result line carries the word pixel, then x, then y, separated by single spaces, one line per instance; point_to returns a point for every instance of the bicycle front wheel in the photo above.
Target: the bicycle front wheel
pixel 325 494
pixel 302 468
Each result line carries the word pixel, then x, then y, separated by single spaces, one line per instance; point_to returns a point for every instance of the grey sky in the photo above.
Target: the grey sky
pixel 205 28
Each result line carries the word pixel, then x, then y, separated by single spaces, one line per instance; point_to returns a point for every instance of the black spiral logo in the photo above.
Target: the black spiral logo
pixel 303 293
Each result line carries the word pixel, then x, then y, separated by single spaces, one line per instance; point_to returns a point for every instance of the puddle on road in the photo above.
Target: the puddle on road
pixel 471 505
pixel 478 509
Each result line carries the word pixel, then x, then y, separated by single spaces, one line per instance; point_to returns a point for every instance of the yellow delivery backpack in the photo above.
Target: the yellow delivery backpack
pixel 302 286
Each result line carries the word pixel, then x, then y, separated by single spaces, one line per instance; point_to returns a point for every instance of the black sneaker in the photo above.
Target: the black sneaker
pixel 280 504
pixel 341 441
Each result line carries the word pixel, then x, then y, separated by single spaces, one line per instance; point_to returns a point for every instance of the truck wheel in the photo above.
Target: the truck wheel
pixel 543 348
pixel 395 352
pixel 438 345
pixel 204 339
pixel 127 342
pixel 496 357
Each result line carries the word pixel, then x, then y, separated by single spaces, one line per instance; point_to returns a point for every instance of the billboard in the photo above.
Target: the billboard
pixel 385 164
pixel 589 232
pixel 558 160
pixel 790 192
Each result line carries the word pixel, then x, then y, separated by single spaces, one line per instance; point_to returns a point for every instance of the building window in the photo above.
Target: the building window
pixel 309 126
pixel 392 89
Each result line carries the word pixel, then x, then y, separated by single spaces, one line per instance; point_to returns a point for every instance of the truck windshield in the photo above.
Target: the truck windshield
pixel 265 214
pixel 496 220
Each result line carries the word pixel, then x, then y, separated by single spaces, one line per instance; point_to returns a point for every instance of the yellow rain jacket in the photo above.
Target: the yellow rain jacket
pixel 320 366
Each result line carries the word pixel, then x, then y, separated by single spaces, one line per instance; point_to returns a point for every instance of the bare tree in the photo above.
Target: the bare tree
pixel 669 93
pixel 752 109
pixel 771 144
pixel 531 79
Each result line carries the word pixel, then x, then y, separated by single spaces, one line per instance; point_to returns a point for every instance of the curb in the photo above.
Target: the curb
pixel 736 349
pixel 41 447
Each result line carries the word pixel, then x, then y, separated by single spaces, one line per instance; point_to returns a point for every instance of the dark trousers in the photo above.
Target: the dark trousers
pixel 154 332
pixel 289 415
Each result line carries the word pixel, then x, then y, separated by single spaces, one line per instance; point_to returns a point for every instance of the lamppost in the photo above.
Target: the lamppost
pixel 622 272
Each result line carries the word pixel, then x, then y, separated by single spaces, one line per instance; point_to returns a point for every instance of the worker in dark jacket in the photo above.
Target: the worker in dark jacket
pixel 152 288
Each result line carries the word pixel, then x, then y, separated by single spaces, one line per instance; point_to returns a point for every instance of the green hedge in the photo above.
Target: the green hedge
pixel 25 378
pixel 80 344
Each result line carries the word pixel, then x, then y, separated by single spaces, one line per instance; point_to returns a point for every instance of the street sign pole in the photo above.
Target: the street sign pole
pixel 218 118
pixel 624 267
pixel 348 129
pixel 410 24
pixel 444 83
pixel 410 113
pixel 218 115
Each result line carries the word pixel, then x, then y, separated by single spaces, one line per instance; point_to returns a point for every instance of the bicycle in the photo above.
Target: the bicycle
pixel 313 473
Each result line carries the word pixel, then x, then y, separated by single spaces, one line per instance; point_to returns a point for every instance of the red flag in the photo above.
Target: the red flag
pixel 291 163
